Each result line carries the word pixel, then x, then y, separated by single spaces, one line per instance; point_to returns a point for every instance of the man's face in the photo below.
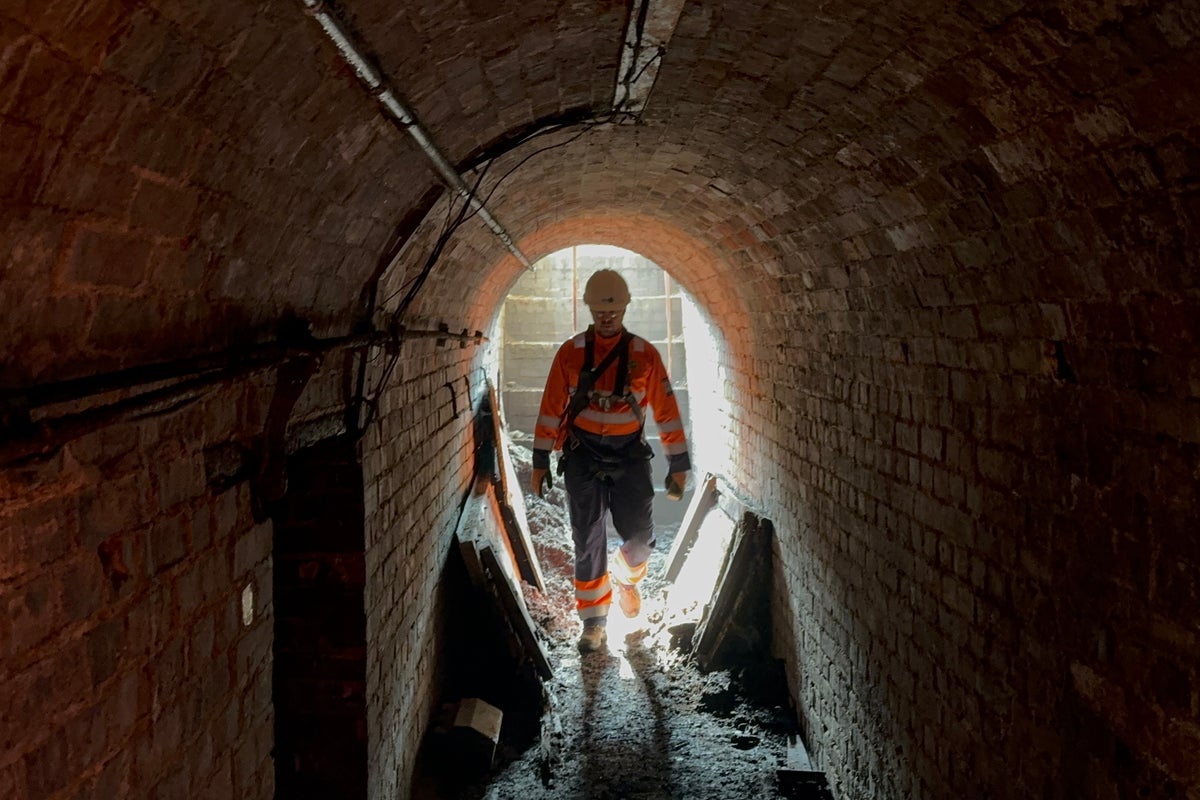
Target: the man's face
pixel 608 323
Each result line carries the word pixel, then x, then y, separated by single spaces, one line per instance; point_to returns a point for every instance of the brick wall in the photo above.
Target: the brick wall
pixel 417 466
pixel 138 590
pixel 160 152
pixel 981 445
pixel 984 573
pixel 135 639
pixel 951 251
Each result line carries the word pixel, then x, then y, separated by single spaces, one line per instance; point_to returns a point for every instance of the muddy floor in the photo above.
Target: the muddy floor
pixel 639 720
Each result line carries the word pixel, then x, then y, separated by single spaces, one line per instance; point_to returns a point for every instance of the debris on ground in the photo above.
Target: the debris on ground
pixel 638 720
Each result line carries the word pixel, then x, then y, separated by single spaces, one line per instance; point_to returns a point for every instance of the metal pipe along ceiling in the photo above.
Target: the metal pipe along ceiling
pixel 401 114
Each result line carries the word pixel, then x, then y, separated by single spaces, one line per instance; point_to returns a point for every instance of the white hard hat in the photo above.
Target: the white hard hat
pixel 606 291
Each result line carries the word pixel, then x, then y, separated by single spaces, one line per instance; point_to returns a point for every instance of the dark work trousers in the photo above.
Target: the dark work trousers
pixel 626 491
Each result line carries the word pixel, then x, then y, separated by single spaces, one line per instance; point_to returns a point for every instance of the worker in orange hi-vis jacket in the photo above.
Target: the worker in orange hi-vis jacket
pixel 593 410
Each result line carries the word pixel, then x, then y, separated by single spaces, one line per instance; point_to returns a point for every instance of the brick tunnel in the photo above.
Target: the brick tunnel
pixel 950 255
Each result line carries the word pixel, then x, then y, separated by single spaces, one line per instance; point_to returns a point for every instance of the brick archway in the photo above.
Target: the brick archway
pixel 695 266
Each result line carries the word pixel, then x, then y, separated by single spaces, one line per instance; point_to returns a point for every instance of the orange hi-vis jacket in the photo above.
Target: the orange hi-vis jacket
pixel 608 413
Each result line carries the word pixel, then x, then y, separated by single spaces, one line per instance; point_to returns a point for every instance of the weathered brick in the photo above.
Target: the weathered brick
pixel 12 779
pixel 110 258
pixel 219 783
pixel 84 587
pixel 41 86
pixel 165 209
pixel 47 768
pixel 252 548
pixel 23 171
pixel 104 510
pixel 110 781
pixel 83 183
pixel 104 649
pixel 121 322
pixel 167 542
pixel 161 143
pixel 33 612
pixel 37 535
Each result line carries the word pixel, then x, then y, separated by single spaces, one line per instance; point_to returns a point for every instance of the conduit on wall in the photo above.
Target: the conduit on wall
pixel 96 401
pixel 402 115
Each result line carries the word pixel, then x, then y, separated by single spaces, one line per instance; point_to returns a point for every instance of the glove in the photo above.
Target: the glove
pixel 539 477
pixel 674 485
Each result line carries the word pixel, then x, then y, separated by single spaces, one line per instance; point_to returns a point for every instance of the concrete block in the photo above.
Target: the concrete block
pixel 475 733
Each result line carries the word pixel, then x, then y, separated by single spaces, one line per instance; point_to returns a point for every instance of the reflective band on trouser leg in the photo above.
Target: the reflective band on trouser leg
pixel 585 496
pixel 622 572
pixel 592 598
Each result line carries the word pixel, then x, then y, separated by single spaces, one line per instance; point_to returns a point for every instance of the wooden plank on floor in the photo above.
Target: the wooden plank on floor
pixel 512 501
pixel 472 554
pixel 469 550
pixel 737 623
pixel 467 533
pixel 704 499
pixel 482 521
pixel 498 535
pixel 480 535
pixel 797 754
pixel 517 613
pixel 800 780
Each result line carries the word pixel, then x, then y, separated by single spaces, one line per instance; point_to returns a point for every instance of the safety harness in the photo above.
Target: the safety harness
pixel 585 393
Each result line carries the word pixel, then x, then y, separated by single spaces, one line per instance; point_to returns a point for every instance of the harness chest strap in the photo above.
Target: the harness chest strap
pixel 621 384
pixel 585 392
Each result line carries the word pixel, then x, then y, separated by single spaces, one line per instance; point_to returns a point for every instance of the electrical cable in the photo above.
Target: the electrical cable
pixel 414 285
pixel 451 224
pixel 588 126
pixel 639 30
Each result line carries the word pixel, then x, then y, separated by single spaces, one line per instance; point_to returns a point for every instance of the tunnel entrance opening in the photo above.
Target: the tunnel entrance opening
pixel 645 717
pixel 545 307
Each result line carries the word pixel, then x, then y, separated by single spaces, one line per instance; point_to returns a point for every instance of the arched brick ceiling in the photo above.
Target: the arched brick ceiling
pixel 198 168
pixel 875 170
pixel 476 71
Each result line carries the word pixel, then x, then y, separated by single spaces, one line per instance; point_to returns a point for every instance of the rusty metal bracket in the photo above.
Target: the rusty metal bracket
pixel 453 399
pixel 269 484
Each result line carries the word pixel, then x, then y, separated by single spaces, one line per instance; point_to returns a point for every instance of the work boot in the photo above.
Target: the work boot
pixel 594 637
pixel 629 598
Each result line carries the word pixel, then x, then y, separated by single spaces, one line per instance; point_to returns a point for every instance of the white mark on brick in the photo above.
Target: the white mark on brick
pixel 248 605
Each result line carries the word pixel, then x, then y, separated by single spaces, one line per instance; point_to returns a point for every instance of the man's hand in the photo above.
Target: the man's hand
pixel 538 477
pixel 676 483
